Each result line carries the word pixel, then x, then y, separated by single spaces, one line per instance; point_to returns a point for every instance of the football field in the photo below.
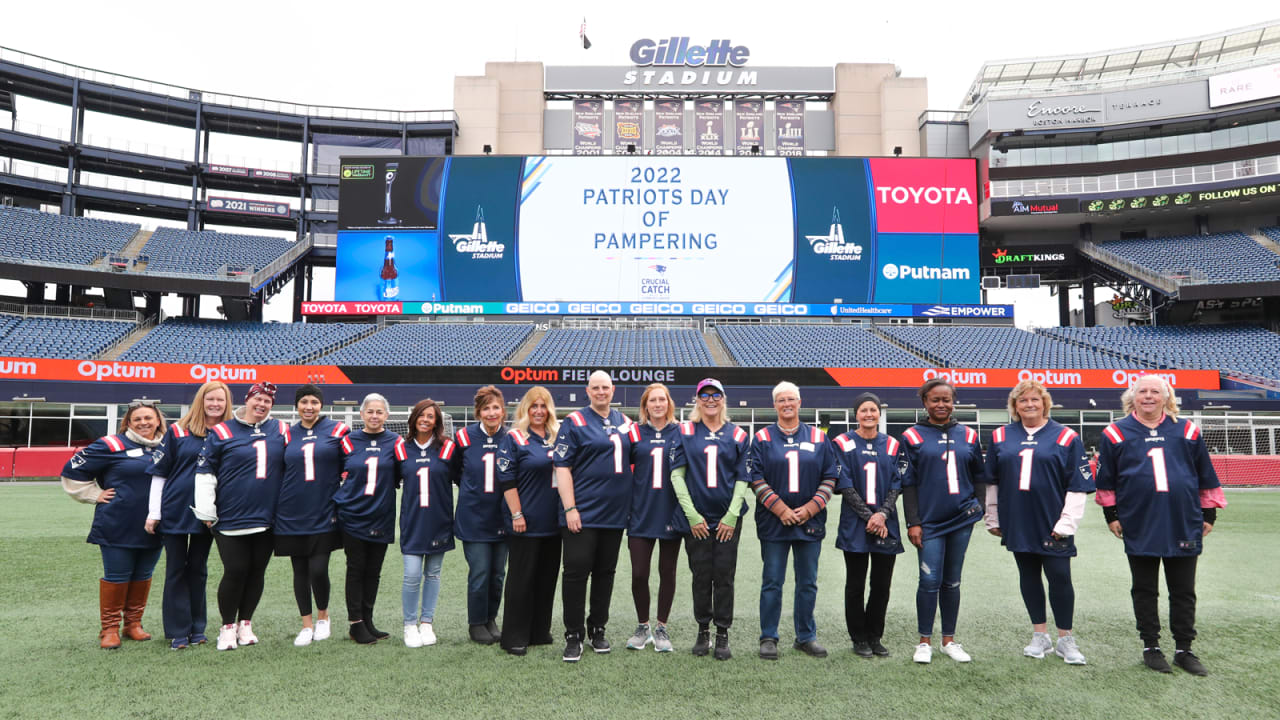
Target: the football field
pixel 50 666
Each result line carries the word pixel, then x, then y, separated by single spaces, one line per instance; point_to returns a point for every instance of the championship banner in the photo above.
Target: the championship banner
pixel 628 126
pixel 241 206
pixel 169 373
pixel 749 125
pixel 708 124
pixel 789 119
pixel 588 127
pixel 668 127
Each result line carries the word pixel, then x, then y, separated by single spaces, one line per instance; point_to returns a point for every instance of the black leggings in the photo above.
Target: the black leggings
pixel 1180 579
pixel 668 557
pixel 865 622
pixel 591 552
pixel 311 574
pixel 364 569
pixel 244 569
pixel 1062 596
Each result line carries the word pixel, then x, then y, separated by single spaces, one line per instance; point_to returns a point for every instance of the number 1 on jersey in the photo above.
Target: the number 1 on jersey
pixel 657 454
pixel 713 467
pixel 1158 469
pixel 308 462
pixel 424 487
pixel 953 477
pixel 487 461
pixel 617 453
pixel 869 472
pixel 793 471
pixel 260 472
pixel 371 478
pixel 1024 470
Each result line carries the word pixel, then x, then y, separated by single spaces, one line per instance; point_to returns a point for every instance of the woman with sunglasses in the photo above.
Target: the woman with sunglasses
pixel 111 474
pixel 238 476
pixel 710 482
pixel 186 540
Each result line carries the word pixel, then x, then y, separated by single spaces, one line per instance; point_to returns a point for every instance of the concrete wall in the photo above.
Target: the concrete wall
pixel 502 108
pixel 875 110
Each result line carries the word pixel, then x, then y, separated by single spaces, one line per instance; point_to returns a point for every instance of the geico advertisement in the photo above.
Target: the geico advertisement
pixel 673 230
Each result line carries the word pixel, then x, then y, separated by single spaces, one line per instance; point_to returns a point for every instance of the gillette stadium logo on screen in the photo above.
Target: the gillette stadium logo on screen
pixel 681 52
pixel 477 243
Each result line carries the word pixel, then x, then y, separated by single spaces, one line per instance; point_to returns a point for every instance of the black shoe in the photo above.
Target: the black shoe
pixel 1187 660
pixel 722 644
pixel 862 648
pixel 598 641
pixel 1154 659
pixel 360 633
pixel 494 632
pixel 572 647
pixel 768 649
pixel 375 632
pixel 811 648
pixel 703 644
pixel 877 649
pixel 518 651
pixel 480 634
pixel 544 640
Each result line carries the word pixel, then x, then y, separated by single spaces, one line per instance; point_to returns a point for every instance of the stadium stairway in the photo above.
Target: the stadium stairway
pixel 1119 264
pixel 1264 241
pixel 719 353
pixel 522 352
pixel 115 351
pixel 136 244
pixel 924 357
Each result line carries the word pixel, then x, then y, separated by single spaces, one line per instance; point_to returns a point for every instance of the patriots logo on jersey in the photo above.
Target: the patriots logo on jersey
pixel 504 464
pixel 562 450
pixel 1084 472
pixel 200 461
pixel 77 460
pixel 903 464
pixel 157 455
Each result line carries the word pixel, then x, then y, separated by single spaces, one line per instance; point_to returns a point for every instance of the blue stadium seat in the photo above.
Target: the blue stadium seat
pixel 64 338
pixel 171 250
pixel 1230 257
pixel 811 346
pixel 434 344
pixel 1227 348
pixel 997 347
pixel 47 237
pixel 669 348
pixel 184 340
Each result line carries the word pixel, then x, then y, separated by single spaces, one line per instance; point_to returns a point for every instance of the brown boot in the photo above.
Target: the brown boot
pixel 134 604
pixel 110 603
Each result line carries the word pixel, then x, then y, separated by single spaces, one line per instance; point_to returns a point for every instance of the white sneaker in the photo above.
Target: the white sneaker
pixel 923 654
pixel 427 633
pixel 322 630
pixel 304 637
pixel 244 633
pixel 1068 651
pixel 227 637
pixel 955 652
pixel 411 636
pixel 1040 644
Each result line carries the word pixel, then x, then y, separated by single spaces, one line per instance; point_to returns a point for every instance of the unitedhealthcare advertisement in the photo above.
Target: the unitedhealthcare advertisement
pixel 675 232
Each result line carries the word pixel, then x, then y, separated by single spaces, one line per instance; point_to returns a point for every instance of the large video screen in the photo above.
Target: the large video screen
pixel 658 229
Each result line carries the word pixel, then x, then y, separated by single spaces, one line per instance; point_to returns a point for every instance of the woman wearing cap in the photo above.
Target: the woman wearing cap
pixel 111 474
pixel 367 511
pixel 238 476
pixel 527 479
pixel 653 507
pixel 868 534
pixel 426 520
pixel 1040 480
pixel 709 478
pixel 478 516
pixel 593 476
pixel 793 471
pixel 942 480
pixel 186 540
pixel 306 529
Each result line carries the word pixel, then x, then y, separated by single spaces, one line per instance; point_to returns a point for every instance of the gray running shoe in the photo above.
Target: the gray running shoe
pixel 1068 651
pixel 1039 645
pixel 661 640
pixel 641 637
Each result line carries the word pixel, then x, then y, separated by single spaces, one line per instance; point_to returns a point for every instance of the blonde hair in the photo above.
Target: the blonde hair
pixel 193 421
pixel 532 395
pixel 1023 388
pixel 695 415
pixel 644 399
pixel 1170 400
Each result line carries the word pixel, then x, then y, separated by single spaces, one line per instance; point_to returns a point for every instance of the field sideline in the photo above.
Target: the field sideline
pixel 52 668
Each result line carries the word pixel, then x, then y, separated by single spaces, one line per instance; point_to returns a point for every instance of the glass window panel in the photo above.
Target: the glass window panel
pixel 1106 183
pixel 1257 133
pixel 1164 178
pixel 1273 131
pixel 1106 152
pixel 1089 153
pixel 1075 185
pixel 1204 142
pixel 1239 136
pixel 1182 176
pixel 1186 143
pixel 51 431
pixel 1058 155
pixel 1059 186
pixel 1074 154
pixel 1268 165
pixel 1169 145
pixel 1220 139
pixel 1144 179
pixel 86 431
pixel 1121 150
pixel 1043 156
pixel 51 410
pixel 1090 185
pixel 1125 181
pixel 1137 148
pixel 1224 171
pixel 1151 147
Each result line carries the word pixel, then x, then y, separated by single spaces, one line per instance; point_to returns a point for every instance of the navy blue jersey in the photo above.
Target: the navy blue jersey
pixel 175 461
pixel 653 502
pixel 795 468
pixel 943 465
pixel 479 512
pixel 714 463
pixel 524 462
pixel 870 467
pixel 248 464
pixel 426 501
pixel 597 450
pixel 1033 473
pixel 1156 476
pixel 367 499
pixel 313 462
pixel 117 462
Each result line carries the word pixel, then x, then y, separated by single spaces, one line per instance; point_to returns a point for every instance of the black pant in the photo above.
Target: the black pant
pixel 311 574
pixel 712 565
pixel 641 557
pixel 533 568
pixel 1062 595
pixel 865 622
pixel 590 552
pixel 364 569
pixel 1180 579
pixel 244 570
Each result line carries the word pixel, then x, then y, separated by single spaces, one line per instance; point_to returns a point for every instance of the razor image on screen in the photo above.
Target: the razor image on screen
pixel 390 175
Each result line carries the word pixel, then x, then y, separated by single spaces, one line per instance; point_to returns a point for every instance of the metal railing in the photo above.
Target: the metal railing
pixel 1172 178
pixel 60 311
pixel 1093 250
pixel 129 337
pixel 277 266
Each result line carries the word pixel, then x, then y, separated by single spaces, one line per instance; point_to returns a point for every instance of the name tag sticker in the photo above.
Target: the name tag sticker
pixel 807 446
pixel 134 452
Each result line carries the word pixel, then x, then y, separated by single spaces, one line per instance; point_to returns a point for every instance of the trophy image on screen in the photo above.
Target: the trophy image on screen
pixel 389 288
pixel 387 218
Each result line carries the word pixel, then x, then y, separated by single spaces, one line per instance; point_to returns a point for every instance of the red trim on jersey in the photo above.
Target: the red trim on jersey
pixel 463 439
pixel 686 428
pixel 113 443
pixel 763 435
pixel 891 446
pixel 518 437
pixel 576 418
pixel 446 451
pixel 739 435
pixel 998 435
pixel 402 453
pixel 633 432
pixel 284 430
pixel 1105 498
pixel 1113 434
pixel 347 447
pixel 339 430
pixel 1192 432
pixel 222 431
pixel 179 431
pixel 912 436
pixel 970 435
pixel 1066 437
pixel 845 442
pixel 816 435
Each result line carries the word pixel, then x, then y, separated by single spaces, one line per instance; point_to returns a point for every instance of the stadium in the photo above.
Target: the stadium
pixel 827 228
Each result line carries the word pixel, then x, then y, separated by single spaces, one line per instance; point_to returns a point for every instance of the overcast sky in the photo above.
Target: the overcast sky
pixel 404 56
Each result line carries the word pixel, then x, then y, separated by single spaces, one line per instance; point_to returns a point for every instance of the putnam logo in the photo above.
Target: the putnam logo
pixel 923 272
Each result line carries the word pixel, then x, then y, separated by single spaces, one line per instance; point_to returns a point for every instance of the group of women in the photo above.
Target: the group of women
pixel 551 493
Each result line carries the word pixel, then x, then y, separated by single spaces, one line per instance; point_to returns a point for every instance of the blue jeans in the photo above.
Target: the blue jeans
pixel 486 571
pixel 124 565
pixel 941 560
pixel 805 562
pixel 186 573
pixel 418 597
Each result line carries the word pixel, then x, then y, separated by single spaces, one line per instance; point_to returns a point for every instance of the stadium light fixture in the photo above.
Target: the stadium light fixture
pixel 631 148
pixel 488 149
pixel 897 151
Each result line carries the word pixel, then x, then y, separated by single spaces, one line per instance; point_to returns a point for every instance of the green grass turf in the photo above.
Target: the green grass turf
pixel 50 666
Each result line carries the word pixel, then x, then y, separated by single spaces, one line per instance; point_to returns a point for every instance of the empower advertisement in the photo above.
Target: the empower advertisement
pixel 675 232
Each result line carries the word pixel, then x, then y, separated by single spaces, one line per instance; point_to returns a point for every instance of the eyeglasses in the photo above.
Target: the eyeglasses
pixel 710 396
pixel 142 403
pixel 786 400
